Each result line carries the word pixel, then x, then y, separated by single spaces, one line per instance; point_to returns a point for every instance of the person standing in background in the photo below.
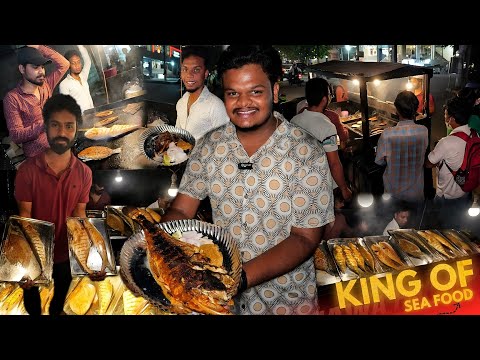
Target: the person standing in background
pixel 417 88
pixel 23 105
pixel 400 219
pixel 319 125
pixel 51 187
pixel 198 110
pixel 75 83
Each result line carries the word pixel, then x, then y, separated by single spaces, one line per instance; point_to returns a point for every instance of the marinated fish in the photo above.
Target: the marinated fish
pixel 132 305
pixel 81 297
pixel 320 260
pixel 368 257
pixel 98 241
pixel 80 243
pixel 410 248
pixel 46 296
pixel 105 295
pixel 135 212
pixel 340 257
pixel 5 290
pixel 182 284
pixel 383 257
pixel 433 242
pixel 106 121
pixel 33 237
pixel 97 153
pixel 457 240
pixel 17 250
pixel 358 256
pixel 12 301
pixel 104 113
pixel 132 108
pixel 441 239
pixel 102 133
pixel 390 252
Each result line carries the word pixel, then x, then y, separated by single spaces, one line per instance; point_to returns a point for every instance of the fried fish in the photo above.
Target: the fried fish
pixel 97 153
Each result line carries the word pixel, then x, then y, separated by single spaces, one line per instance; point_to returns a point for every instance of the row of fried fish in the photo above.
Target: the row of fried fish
pixel 24 250
pixel 355 257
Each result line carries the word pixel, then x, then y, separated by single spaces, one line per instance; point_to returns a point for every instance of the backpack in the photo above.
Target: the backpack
pixel 468 175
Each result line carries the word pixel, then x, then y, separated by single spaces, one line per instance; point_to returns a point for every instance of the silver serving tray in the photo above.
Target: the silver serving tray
pixel 148 137
pixel 16 272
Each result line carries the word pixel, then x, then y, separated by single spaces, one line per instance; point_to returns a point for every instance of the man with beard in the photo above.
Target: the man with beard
pixel 76 83
pixel 198 111
pixel 269 185
pixel 52 186
pixel 23 105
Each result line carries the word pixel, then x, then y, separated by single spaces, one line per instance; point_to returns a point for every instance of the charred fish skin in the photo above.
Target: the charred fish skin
pixel 185 287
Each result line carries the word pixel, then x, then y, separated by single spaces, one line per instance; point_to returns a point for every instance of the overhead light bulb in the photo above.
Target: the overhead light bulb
pixel 173 191
pixel 365 200
pixel 474 209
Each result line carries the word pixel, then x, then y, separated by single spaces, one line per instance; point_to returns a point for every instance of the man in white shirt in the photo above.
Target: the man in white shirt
pixel 76 82
pixel 198 111
pixel 400 219
pixel 450 197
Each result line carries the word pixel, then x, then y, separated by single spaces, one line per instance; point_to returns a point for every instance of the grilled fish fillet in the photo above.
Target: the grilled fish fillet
pixel 104 113
pixel 320 260
pixel 410 248
pixel 457 240
pixel 17 250
pixel 358 256
pixel 105 295
pixel 390 252
pixel 368 257
pixel 106 121
pixel 100 133
pixel 383 257
pixel 97 153
pixel 82 296
pixel 36 242
pixel 339 257
pixel 80 243
pixel 433 242
pixel 132 304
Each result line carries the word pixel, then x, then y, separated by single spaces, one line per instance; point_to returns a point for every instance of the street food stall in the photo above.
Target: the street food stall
pixel 363 94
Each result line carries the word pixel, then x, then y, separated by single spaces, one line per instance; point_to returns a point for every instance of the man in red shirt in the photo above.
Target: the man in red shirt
pixel 23 105
pixel 52 186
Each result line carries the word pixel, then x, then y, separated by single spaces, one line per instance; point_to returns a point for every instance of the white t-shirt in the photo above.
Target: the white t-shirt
pixel 319 126
pixel 206 113
pixel 79 91
pixel 450 149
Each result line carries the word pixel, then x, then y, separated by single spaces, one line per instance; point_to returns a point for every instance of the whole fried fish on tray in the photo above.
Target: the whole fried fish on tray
pixel 390 256
pixel 440 244
pixel 26 251
pixel 97 153
pixel 185 278
pixel 460 240
pixel 89 248
pixel 415 248
pixel 326 272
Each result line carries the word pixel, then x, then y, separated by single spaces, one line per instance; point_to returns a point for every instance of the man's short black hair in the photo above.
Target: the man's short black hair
pixel 194 50
pixel 459 108
pixel 237 56
pixel 61 102
pixel 406 104
pixel 315 90
pixel 71 53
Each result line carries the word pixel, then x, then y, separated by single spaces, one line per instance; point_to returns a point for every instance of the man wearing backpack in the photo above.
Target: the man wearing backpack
pixel 449 152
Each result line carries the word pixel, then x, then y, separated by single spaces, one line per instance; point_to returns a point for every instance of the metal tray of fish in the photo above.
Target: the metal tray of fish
pixel 135 269
pixel 440 244
pixel 325 269
pixel 89 247
pixel 460 240
pixel 470 236
pixel 26 250
pixel 390 256
pixel 351 263
pixel 411 243
pixel 122 226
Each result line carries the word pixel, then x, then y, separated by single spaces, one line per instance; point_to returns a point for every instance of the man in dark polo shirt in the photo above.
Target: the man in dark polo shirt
pixel 52 186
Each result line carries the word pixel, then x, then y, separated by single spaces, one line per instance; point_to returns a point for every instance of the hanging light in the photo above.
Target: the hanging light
pixel 474 209
pixel 173 186
pixel 119 177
